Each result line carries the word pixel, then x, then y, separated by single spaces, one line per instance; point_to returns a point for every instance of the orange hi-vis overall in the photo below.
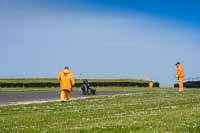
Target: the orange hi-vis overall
pixel 67 81
pixel 180 76
pixel 151 84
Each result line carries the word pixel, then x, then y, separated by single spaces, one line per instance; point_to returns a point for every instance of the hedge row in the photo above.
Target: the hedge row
pixel 93 84
pixel 54 80
pixel 190 84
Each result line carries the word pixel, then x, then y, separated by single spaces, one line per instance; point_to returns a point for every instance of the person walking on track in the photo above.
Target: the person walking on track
pixel 67 81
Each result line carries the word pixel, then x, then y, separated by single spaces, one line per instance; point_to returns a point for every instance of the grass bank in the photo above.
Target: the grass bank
pixel 54 80
pixel 157 110
pixel 18 89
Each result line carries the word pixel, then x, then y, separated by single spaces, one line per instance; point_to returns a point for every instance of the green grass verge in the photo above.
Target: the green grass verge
pixel 157 110
pixel 18 89
pixel 54 80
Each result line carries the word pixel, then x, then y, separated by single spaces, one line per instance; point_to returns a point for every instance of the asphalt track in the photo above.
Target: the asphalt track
pixel 12 98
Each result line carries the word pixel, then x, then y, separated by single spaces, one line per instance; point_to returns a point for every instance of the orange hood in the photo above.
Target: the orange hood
pixel 66 71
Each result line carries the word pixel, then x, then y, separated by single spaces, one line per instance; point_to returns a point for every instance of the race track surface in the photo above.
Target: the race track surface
pixel 16 97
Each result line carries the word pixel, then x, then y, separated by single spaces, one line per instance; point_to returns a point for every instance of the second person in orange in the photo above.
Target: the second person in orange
pixel 180 76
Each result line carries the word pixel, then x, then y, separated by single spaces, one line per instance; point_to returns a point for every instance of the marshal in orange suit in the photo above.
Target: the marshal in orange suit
pixel 180 76
pixel 67 81
pixel 151 84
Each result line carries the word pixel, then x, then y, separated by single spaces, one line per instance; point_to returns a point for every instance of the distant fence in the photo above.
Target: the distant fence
pixel 93 84
pixel 192 82
pixel 192 79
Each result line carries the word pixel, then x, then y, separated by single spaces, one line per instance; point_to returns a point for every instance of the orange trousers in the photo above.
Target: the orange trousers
pixel 63 94
pixel 180 85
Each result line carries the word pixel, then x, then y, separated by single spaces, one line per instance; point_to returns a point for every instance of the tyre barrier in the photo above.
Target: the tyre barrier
pixel 92 84
pixel 190 84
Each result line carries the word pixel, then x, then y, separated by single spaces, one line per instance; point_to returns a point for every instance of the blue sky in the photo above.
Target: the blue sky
pixel 99 38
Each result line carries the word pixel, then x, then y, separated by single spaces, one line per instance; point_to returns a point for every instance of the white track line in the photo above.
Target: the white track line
pixel 45 101
pixel 37 102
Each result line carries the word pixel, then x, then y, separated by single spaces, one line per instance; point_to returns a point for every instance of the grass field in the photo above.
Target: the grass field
pixel 157 110
pixel 18 89
pixel 54 80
